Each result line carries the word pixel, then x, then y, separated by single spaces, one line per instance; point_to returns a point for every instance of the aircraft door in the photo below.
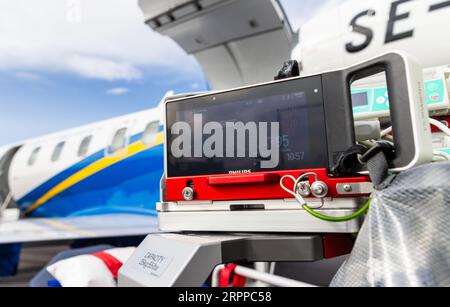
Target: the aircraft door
pixel 6 199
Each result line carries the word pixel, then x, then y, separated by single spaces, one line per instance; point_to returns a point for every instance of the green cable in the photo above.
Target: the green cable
pixel 326 218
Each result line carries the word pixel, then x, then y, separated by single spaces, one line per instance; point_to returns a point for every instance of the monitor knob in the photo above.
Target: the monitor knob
pixel 188 193
pixel 319 189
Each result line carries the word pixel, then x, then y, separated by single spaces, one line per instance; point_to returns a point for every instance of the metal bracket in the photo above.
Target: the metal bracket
pixel 187 260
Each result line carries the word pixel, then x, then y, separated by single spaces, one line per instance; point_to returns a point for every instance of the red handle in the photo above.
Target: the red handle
pixel 243 179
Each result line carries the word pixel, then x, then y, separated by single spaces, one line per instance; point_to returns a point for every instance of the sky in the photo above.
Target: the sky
pixel 65 63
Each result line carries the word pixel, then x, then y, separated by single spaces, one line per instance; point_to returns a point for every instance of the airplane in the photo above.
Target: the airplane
pixel 88 182
pixel 102 180
pixel 357 30
pixel 253 47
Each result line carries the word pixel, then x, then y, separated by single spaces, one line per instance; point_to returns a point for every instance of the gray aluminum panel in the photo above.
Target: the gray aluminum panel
pixel 236 42
pixel 232 21
pixel 179 260
pixel 288 221
pixel 153 8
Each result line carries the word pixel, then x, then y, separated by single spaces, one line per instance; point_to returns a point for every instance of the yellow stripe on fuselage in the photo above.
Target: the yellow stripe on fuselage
pixel 66 228
pixel 92 169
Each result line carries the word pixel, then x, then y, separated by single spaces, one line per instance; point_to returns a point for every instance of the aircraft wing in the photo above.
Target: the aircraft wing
pixel 90 227
pixel 237 42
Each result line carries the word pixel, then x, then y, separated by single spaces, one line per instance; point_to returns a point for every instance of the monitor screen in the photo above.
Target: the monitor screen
pixel 360 100
pixel 272 127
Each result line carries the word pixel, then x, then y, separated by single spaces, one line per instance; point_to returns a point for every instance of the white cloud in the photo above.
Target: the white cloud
pixel 30 77
pixel 118 91
pixel 99 68
pixel 102 39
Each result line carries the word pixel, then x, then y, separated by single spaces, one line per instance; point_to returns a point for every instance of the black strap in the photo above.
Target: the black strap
pixel 348 162
pixel 378 168
pixel 381 146
pixel 376 160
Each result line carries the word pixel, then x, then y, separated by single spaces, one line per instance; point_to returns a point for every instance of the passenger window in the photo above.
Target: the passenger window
pixel 84 146
pixel 33 156
pixel 119 140
pixel 150 132
pixel 57 152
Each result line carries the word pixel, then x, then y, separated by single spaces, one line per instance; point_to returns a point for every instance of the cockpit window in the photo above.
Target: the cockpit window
pixel 119 140
pixel 150 133
pixel 57 151
pixel 33 156
pixel 84 146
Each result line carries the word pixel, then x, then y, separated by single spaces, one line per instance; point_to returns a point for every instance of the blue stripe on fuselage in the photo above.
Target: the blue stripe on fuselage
pixel 35 194
pixel 130 186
